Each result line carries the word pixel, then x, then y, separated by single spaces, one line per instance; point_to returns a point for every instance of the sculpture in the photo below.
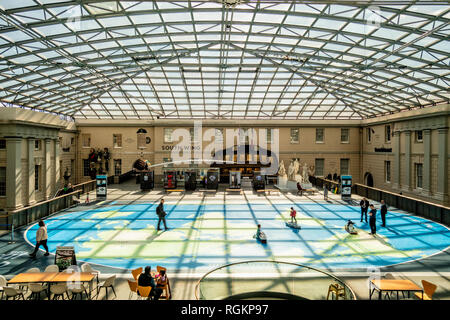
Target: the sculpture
pixel 281 169
pixel 305 173
pixel 291 170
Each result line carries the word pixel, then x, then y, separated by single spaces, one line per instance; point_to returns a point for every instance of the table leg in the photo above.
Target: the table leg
pixel 380 296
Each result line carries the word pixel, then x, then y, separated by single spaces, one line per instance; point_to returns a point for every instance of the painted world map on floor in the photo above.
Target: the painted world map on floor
pixel 201 237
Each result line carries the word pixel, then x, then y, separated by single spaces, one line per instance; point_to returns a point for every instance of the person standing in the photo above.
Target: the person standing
pixel 161 214
pixel 373 220
pixel 364 207
pixel 383 212
pixel 293 215
pixel 41 239
pixel 325 192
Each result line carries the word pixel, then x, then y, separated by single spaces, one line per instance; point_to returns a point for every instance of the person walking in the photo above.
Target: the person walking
pixel 364 207
pixel 293 215
pixel 383 212
pixel 161 214
pixel 373 220
pixel 41 239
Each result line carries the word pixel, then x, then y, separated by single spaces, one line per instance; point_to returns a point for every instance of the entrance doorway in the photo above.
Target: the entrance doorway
pixel 368 179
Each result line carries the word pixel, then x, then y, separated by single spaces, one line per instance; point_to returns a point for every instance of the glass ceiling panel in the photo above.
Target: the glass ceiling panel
pixel 292 60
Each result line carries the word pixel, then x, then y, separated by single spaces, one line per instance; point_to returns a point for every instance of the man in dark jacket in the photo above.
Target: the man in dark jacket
pixel 364 207
pixel 373 220
pixel 161 214
pixel 146 280
pixel 383 212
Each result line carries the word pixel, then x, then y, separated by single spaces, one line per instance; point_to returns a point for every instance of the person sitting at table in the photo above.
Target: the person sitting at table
pixel 146 280
pixel 161 279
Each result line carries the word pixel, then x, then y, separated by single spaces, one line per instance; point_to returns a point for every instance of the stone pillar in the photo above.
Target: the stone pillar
pixel 442 170
pixel 396 182
pixel 57 169
pixel 13 173
pixel 31 165
pixel 427 162
pixel 407 186
pixel 47 170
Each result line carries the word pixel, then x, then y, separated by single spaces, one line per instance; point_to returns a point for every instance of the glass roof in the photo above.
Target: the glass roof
pixel 224 59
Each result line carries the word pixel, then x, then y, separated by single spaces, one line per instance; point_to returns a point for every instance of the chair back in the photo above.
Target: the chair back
pixel 110 281
pixel 36 287
pixel 136 273
pixel 10 292
pixel 133 285
pixel 52 268
pixel 3 281
pixel 33 270
pixel 58 288
pixel 72 269
pixel 429 288
pixel 159 268
pixel 86 267
pixel 144 291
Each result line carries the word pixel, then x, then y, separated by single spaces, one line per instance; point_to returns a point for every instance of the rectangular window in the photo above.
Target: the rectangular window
pixel 72 141
pixel 117 167
pixel 169 165
pixel 319 167
pixel 37 145
pixel 418 170
pixel 86 140
pixel 269 135
pixel 319 135
pixel 369 134
pixel 168 135
pixel 2 181
pixel 117 140
pixel 2 144
pixel 387 171
pixel 295 135
pixel 345 166
pixel 387 130
pixel 219 135
pixel 86 166
pixel 345 135
pixel 37 169
pixel 419 136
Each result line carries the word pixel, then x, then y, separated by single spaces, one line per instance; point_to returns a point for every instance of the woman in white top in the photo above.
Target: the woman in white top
pixel 41 239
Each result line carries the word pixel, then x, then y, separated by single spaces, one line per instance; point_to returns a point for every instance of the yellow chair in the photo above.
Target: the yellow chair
pixel 144 292
pixel 337 290
pixel 428 290
pixel 133 288
pixel 166 285
pixel 136 273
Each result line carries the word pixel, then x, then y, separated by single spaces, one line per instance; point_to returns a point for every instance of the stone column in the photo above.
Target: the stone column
pixel 31 165
pixel 47 169
pixel 13 173
pixel 396 182
pixel 407 186
pixel 427 162
pixel 57 169
pixel 442 170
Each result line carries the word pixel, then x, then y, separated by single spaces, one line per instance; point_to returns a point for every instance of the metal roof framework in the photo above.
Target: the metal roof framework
pixel 230 59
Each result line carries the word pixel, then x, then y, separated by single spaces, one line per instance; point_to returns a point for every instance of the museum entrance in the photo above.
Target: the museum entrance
pixel 247 167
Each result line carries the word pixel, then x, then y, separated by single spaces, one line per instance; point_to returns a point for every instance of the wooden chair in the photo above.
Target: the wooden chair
pixel 136 273
pixel 133 288
pixel 428 290
pixel 166 289
pixel 144 292
pixel 337 290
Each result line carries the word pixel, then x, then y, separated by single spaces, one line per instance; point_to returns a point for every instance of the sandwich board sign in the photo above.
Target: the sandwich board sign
pixel 65 257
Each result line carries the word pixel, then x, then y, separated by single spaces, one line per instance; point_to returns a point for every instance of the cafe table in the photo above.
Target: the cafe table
pixel 392 285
